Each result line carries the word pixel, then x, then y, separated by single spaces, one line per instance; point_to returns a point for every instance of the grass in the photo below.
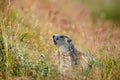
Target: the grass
pixel 26 51
pixel 107 13
pixel 22 48
pixel 103 9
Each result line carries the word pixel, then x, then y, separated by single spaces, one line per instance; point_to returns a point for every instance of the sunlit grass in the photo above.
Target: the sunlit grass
pixel 23 47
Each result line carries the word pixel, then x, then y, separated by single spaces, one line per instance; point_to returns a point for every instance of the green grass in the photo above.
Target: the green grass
pixel 107 13
pixel 26 51
pixel 104 9
pixel 21 48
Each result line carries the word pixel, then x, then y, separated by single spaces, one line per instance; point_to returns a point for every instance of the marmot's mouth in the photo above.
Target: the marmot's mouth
pixel 54 42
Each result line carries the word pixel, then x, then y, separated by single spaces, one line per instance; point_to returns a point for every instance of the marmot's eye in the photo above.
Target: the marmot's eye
pixel 61 36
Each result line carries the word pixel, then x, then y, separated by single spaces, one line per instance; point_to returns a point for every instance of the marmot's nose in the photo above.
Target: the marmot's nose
pixel 53 36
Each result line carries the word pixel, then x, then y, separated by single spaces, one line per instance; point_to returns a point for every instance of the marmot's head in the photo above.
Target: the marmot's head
pixel 62 40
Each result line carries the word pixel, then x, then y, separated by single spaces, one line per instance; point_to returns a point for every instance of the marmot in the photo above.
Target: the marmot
pixel 68 56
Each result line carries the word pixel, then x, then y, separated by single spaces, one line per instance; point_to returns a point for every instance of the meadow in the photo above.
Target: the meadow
pixel 27 50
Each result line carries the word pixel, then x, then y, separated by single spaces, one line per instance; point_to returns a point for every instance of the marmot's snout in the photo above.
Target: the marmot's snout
pixel 53 36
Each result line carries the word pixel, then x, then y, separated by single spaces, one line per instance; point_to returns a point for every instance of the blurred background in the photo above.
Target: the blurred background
pixel 27 26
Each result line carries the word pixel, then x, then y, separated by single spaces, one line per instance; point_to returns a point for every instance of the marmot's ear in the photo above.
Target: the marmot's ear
pixel 71 44
pixel 69 40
